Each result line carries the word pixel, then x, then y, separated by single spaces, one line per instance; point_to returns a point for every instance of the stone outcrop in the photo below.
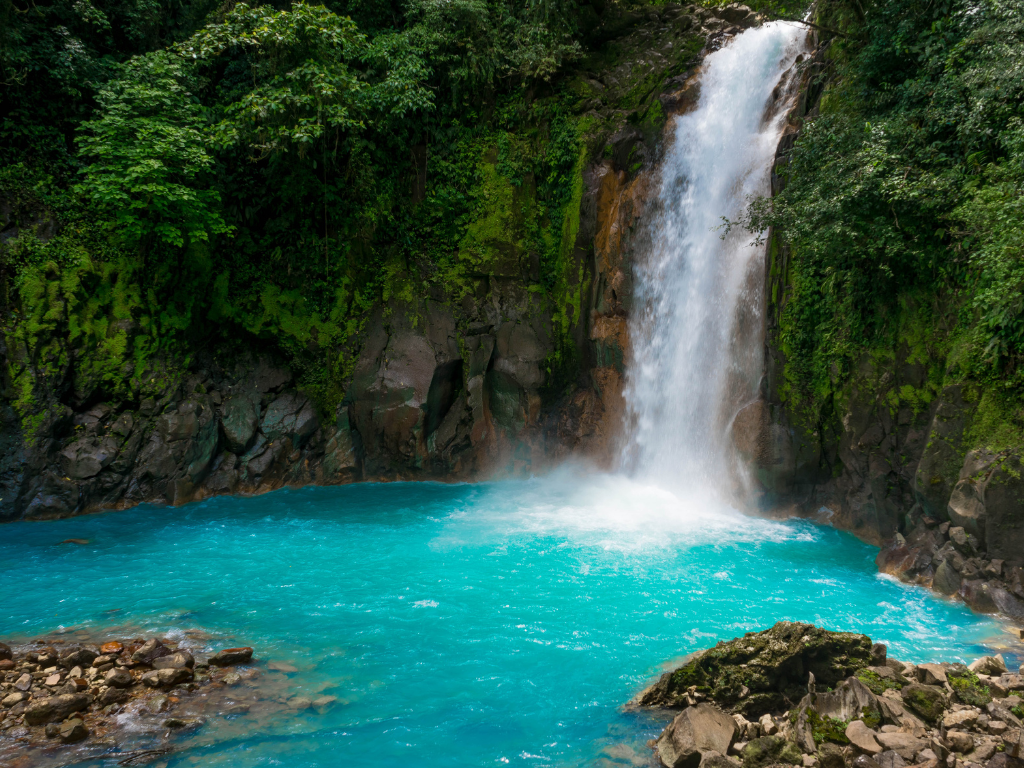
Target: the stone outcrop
pixel 880 712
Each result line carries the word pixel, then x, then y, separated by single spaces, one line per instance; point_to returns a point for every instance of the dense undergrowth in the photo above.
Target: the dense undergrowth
pixel 903 210
pixel 178 178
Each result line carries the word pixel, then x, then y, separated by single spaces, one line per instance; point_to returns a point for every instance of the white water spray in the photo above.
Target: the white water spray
pixel 697 327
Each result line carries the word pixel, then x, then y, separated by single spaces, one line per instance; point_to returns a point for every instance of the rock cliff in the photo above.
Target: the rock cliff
pixel 492 376
pixel 906 454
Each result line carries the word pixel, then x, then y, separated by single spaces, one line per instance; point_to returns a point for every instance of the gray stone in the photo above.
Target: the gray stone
pixel 928 701
pixel 5 652
pixel 947 580
pixel 55 708
pixel 24 682
pixel 150 651
pixel 960 741
pixel 290 415
pixel 238 422
pixel 165 678
pixel 1004 505
pixel 177 660
pixel 73 731
pixel 862 737
pixel 714 759
pixel 78 657
pixel 14 698
pixel 966 507
pixel 890 759
pixel 118 678
pixel 931 674
pixel 112 696
pixel 88 456
pixel 905 745
pixel 699 729
pixel 988 665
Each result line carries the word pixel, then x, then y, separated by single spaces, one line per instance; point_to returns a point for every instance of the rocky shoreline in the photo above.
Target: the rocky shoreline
pixel 98 698
pixel 799 695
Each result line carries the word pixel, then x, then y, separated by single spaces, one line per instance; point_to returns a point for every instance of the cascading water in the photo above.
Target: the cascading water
pixel 696 330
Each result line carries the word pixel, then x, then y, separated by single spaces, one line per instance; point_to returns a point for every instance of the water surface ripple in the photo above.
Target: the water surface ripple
pixel 461 625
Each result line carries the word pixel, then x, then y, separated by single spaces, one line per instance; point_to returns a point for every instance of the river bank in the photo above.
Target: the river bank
pixel 796 694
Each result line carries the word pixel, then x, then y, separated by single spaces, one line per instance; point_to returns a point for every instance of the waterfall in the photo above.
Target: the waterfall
pixel 696 327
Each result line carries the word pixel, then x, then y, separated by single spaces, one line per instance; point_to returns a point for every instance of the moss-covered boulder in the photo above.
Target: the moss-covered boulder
pixel 926 700
pixel 770 750
pixel 762 671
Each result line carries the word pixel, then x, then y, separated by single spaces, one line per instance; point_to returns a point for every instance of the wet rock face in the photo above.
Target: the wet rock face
pixel 888 714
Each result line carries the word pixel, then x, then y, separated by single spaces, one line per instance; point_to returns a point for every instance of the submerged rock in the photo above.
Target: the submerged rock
pixel 231 656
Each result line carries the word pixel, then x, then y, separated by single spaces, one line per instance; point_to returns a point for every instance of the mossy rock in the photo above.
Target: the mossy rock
pixel 928 701
pixel 831 756
pixel 764 671
pixel 878 684
pixel 967 687
pixel 770 750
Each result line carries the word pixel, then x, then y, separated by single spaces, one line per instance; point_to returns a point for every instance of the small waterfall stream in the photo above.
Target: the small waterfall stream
pixel 697 325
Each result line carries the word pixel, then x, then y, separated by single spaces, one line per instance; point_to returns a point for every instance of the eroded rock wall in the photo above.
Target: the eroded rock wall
pixel 902 456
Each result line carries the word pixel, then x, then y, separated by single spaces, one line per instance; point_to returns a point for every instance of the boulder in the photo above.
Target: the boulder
pixel 928 701
pixel 56 708
pixel 88 456
pixel 1004 526
pixel 78 657
pixel 762 671
pixel 14 698
pixel 773 750
pixel 862 737
pixel 177 660
pixel 946 580
pixel 73 731
pixel 118 678
pixel 905 745
pixel 112 696
pixel 290 415
pixel 24 682
pixel 5 652
pixel 931 674
pixel 966 507
pixel 993 666
pixel 709 759
pixel 959 741
pixel 238 421
pixel 849 701
pixel 164 678
pixel 150 651
pixel 230 656
pixel 961 718
pixel 695 731
pixel 890 759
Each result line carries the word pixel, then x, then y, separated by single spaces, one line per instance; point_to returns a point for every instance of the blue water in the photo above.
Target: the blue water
pixel 458 625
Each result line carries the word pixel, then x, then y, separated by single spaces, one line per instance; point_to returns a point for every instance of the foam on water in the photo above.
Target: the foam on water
pixel 461 625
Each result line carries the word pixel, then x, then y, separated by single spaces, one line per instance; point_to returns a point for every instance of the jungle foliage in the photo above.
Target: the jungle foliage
pixel 902 206
pixel 179 176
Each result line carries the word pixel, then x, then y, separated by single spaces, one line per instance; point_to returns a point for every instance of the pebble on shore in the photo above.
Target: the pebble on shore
pixel 51 692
